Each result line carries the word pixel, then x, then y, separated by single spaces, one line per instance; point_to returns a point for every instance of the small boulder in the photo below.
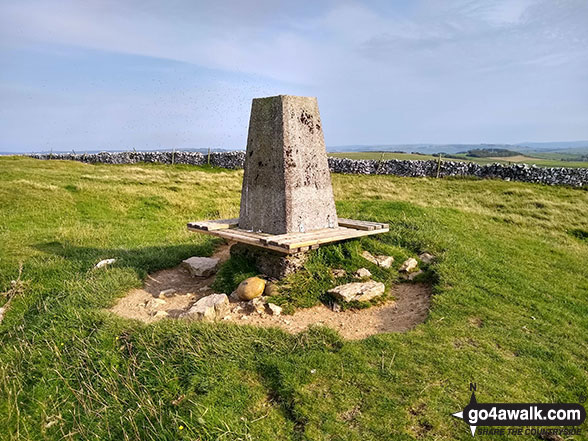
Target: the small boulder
pixel 154 303
pixel 274 309
pixel 380 260
pixel 409 265
pixel 209 308
pixel 201 266
pixel 256 305
pixel 105 262
pixel 160 314
pixel 234 297
pixel 358 291
pixel 271 289
pixel 384 261
pixel 251 288
pixel 426 258
pixel 338 273
pixel 167 293
pixel 362 273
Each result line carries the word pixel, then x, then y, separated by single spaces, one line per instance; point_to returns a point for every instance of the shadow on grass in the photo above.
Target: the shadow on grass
pixel 143 260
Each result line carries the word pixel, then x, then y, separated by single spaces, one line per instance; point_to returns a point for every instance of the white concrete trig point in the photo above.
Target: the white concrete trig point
pixel 287 202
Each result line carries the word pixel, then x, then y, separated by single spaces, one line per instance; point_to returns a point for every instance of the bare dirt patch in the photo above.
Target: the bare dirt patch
pixel 410 307
pixel 143 304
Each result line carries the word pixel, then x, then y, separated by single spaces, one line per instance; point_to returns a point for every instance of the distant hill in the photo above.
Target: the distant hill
pixel 491 153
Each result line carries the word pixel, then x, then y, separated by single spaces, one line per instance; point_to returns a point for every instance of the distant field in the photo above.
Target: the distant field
pixel 543 162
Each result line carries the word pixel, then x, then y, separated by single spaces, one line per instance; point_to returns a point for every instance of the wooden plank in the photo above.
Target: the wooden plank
pixel 212 225
pixel 297 237
pixel 361 225
pixel 278 237
pixel 310 236
pixel 350 234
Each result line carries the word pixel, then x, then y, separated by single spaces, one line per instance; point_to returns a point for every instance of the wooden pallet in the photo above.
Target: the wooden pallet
pixel 290 243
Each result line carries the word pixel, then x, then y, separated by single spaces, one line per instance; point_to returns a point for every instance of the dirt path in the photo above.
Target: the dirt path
pixel 408 310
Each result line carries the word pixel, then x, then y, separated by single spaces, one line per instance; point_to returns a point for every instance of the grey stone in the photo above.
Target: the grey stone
pixel 380 260
pixel 271 263
pixel 409 265
pixel 105 262
pixel 338 273
pixel 256 305
pixel 201 266
pixel 426 258
pixel 358 291
pixel 167 293
pixel 274 309
pixel 363 273
pixel 286 182
pixel 208 308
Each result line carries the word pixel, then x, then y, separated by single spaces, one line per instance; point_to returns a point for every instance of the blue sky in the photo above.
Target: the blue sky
pixel 147 74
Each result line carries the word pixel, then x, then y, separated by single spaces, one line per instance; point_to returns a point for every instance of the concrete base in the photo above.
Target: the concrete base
pixel 270 263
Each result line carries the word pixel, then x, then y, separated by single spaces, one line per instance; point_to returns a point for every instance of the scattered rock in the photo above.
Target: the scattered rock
pixel 335 307
pixel 160 314
pixel 250 288
pixel 426 258
pixel 209 308
pixel 338 273
pixel 384 261
pixel 380 260
pixel 409 265
pixel 363 273
pixel 201 266
pixel 105 262
pixel 274 309
pixel 411 276
pixel 154 303
pixel 256 305
pixel 358 291
pixel 271 289
pixel 167 293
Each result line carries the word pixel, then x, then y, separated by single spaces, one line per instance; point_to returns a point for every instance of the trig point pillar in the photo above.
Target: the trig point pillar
pixel 286 183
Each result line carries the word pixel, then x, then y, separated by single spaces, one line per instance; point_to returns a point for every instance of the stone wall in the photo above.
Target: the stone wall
pixel 576 177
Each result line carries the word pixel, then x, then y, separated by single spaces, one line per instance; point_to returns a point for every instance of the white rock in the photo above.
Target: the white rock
pixel 338 273
pixel 363 273
pixel 409 265
pixel 274 309
pixel 384 261
pixel 209 308
pixel 201 266
pixel 256 305
pixel 426 258
pixel 160 314
pixel 167 293
pixel 358 291
pixel 105 262
pixel 154 303
pixel 380 260
pixel 2 311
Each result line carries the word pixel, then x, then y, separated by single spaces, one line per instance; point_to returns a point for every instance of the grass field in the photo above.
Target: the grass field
pixel 510 311
pixel 545 161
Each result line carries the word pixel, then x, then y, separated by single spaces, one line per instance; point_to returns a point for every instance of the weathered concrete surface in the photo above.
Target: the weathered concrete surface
pixel 286 183
pixel 272 264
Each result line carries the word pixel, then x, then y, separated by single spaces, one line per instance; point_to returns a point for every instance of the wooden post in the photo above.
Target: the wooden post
pixel 438 165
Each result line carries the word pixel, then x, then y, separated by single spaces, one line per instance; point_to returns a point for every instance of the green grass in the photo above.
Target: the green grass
pixel 542 160
pixel 510 311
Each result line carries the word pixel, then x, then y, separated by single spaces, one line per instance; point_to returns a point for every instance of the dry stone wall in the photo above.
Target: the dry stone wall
pixel 577 177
